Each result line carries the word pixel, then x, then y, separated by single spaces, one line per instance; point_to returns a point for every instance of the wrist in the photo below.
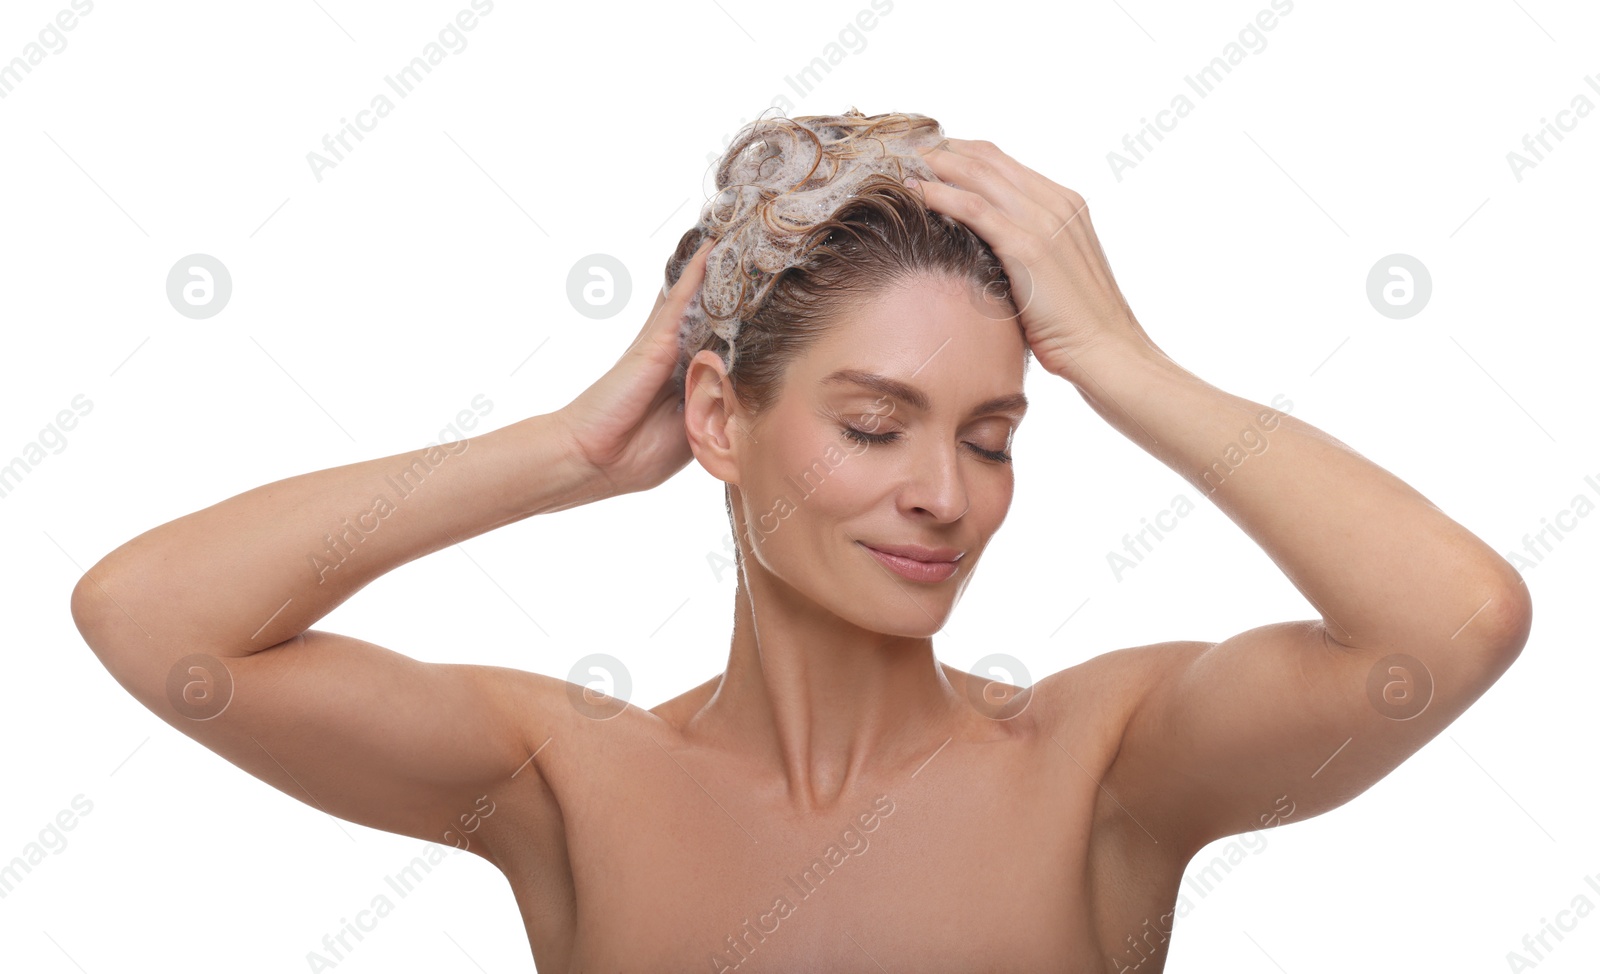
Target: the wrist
pixel 1095 369
pixel 558 472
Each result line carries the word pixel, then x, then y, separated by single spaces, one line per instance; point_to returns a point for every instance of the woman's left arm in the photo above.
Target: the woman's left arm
pixel 1418 616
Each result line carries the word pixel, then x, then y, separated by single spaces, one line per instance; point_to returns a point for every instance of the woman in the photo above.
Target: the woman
pixel 849 361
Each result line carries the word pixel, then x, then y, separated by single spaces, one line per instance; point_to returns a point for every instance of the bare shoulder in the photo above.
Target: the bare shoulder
pixel 1109 686
pixel 565 725
pixel 1088 709
pixel 576 740
pixel 1082 710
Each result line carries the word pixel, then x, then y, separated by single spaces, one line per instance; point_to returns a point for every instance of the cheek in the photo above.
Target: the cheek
pixel 809 487
pixel 992 496
pixel 994 491
pixel 829 479
pixel 839 476
pixel 799 479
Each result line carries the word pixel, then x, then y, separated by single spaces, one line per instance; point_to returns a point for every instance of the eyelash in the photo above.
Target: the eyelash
pixel 862 436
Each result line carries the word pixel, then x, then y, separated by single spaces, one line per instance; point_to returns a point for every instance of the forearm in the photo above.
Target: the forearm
pixel 1383 566
pixel 263 566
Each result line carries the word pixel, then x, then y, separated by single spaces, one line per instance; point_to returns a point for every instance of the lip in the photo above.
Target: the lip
pixel 915 562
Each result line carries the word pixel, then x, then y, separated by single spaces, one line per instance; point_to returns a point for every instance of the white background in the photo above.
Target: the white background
pixel 370 307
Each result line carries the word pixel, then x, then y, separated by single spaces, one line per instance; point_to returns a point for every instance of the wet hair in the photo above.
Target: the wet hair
pixel 811 218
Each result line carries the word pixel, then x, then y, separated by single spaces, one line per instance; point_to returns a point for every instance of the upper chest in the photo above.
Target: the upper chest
pixel 990 855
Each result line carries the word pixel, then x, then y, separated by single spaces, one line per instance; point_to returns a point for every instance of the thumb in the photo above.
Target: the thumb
pixel 659 336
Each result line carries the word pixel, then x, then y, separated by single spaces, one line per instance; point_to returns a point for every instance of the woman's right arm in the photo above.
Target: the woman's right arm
pixel 205 620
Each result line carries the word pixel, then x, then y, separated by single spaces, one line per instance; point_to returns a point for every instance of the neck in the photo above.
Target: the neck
pixel 832 704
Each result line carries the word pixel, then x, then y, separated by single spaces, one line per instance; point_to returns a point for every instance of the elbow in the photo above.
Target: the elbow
pixel 1503 624
pixel 94 611
pixel 84 597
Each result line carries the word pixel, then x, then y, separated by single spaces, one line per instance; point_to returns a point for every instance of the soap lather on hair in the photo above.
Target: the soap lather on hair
pixel 779 179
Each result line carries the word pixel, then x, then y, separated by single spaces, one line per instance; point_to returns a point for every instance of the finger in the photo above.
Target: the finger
pixel 982 216
pixel 669 315
pixel 1048 231
pixel 1030 181
pixel 661 326
pixel 1039 211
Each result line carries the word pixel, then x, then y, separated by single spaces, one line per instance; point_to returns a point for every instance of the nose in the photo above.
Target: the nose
pixel 935 484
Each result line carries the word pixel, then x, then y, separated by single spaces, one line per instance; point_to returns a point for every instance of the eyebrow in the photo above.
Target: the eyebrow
pixel 916 398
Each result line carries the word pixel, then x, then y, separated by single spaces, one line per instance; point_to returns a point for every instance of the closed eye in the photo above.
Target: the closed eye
pixel 862 436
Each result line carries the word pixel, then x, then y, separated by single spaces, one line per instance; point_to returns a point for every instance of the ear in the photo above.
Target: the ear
pixel 712 418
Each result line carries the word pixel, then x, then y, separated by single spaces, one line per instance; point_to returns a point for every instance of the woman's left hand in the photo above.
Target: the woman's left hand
pixel 1070 305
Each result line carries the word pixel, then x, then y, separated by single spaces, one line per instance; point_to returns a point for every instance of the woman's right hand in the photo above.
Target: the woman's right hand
pixel 627 426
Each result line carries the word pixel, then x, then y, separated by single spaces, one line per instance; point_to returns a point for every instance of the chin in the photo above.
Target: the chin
pixel 894 611
pixel 882 601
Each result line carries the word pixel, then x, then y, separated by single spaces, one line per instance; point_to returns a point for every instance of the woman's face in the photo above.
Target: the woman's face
pixel 888 431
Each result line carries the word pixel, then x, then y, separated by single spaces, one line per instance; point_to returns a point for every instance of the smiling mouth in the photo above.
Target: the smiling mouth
pixel 912 568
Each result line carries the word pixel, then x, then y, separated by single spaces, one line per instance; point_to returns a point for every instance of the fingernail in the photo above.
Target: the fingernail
pixel 911 182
